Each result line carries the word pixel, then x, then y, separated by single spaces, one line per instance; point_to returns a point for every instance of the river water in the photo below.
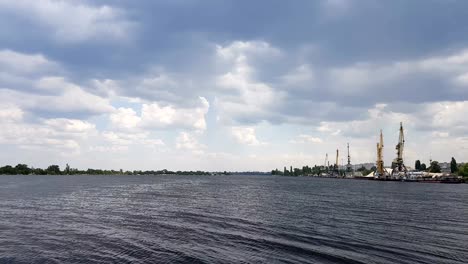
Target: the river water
pixel 229 219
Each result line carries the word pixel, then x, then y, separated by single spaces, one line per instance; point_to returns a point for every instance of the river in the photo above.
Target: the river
pixel 229 219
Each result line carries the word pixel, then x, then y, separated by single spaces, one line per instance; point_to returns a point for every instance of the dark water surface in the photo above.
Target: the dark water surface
pixel 229 219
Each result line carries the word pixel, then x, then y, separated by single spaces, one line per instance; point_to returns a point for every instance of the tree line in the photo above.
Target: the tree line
pixel 23 169
pixel 459 169
pixel 315 170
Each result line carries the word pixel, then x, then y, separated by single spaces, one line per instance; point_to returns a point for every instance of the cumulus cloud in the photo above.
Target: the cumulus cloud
pixel 187 141
pixel 448 115
pixel 378 117
pixel 253 99
pixel 246 136
pixel 89 22
pixel 155 115
pixel 125 118
pixel 60 135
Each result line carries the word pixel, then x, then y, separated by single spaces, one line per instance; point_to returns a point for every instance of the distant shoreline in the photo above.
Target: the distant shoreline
pixel 23 169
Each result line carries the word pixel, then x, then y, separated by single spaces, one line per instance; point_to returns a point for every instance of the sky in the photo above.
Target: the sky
pixel 230 84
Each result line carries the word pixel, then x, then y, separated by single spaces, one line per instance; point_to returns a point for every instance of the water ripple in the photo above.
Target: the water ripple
pixel 237 219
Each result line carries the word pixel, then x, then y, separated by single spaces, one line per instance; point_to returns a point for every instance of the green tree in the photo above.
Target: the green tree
pixel 435 167
pixel 7 170
pixel 453 165
pixel 417 165
pixel 67 169
pixel 423 166
pixel 22 169
pixel 297 172
pixel 39 171
pixel 53 170
pixel 463 171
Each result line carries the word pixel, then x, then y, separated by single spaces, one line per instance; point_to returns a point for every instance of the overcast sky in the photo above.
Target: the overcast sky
pixel 230 85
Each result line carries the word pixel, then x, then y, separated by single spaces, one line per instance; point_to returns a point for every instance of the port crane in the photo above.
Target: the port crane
pixel 325 166
pixel 348 167
pixel 397 164
pixel 380 163
pixel 337 168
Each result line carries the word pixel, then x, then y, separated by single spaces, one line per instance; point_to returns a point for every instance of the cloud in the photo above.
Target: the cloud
pixel 246 136
pixel 69 98
pixel 159 87
pixel 462 80
pixel 103 88
pixel 440 134
pixel 139 138
pixel 103 22
pixel 448 115
pixel 27 81
pixel 306 139
pixel 125 118
pixel 416 80
pixel 20 70
pixel 155 115
pixel 240 50
pixel 70 125
pixel 16 62
pixel 187 141
pixel 162 75
pixel 301 76
pixel 10 113
pixel 57 135
pixel 251 100
pixel 377 117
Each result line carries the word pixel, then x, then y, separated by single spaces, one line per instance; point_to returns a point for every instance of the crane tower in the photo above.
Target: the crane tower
pixel 337 155
pixel 380 163
pixel 397 164
pixel 348 167
pixel 326 161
